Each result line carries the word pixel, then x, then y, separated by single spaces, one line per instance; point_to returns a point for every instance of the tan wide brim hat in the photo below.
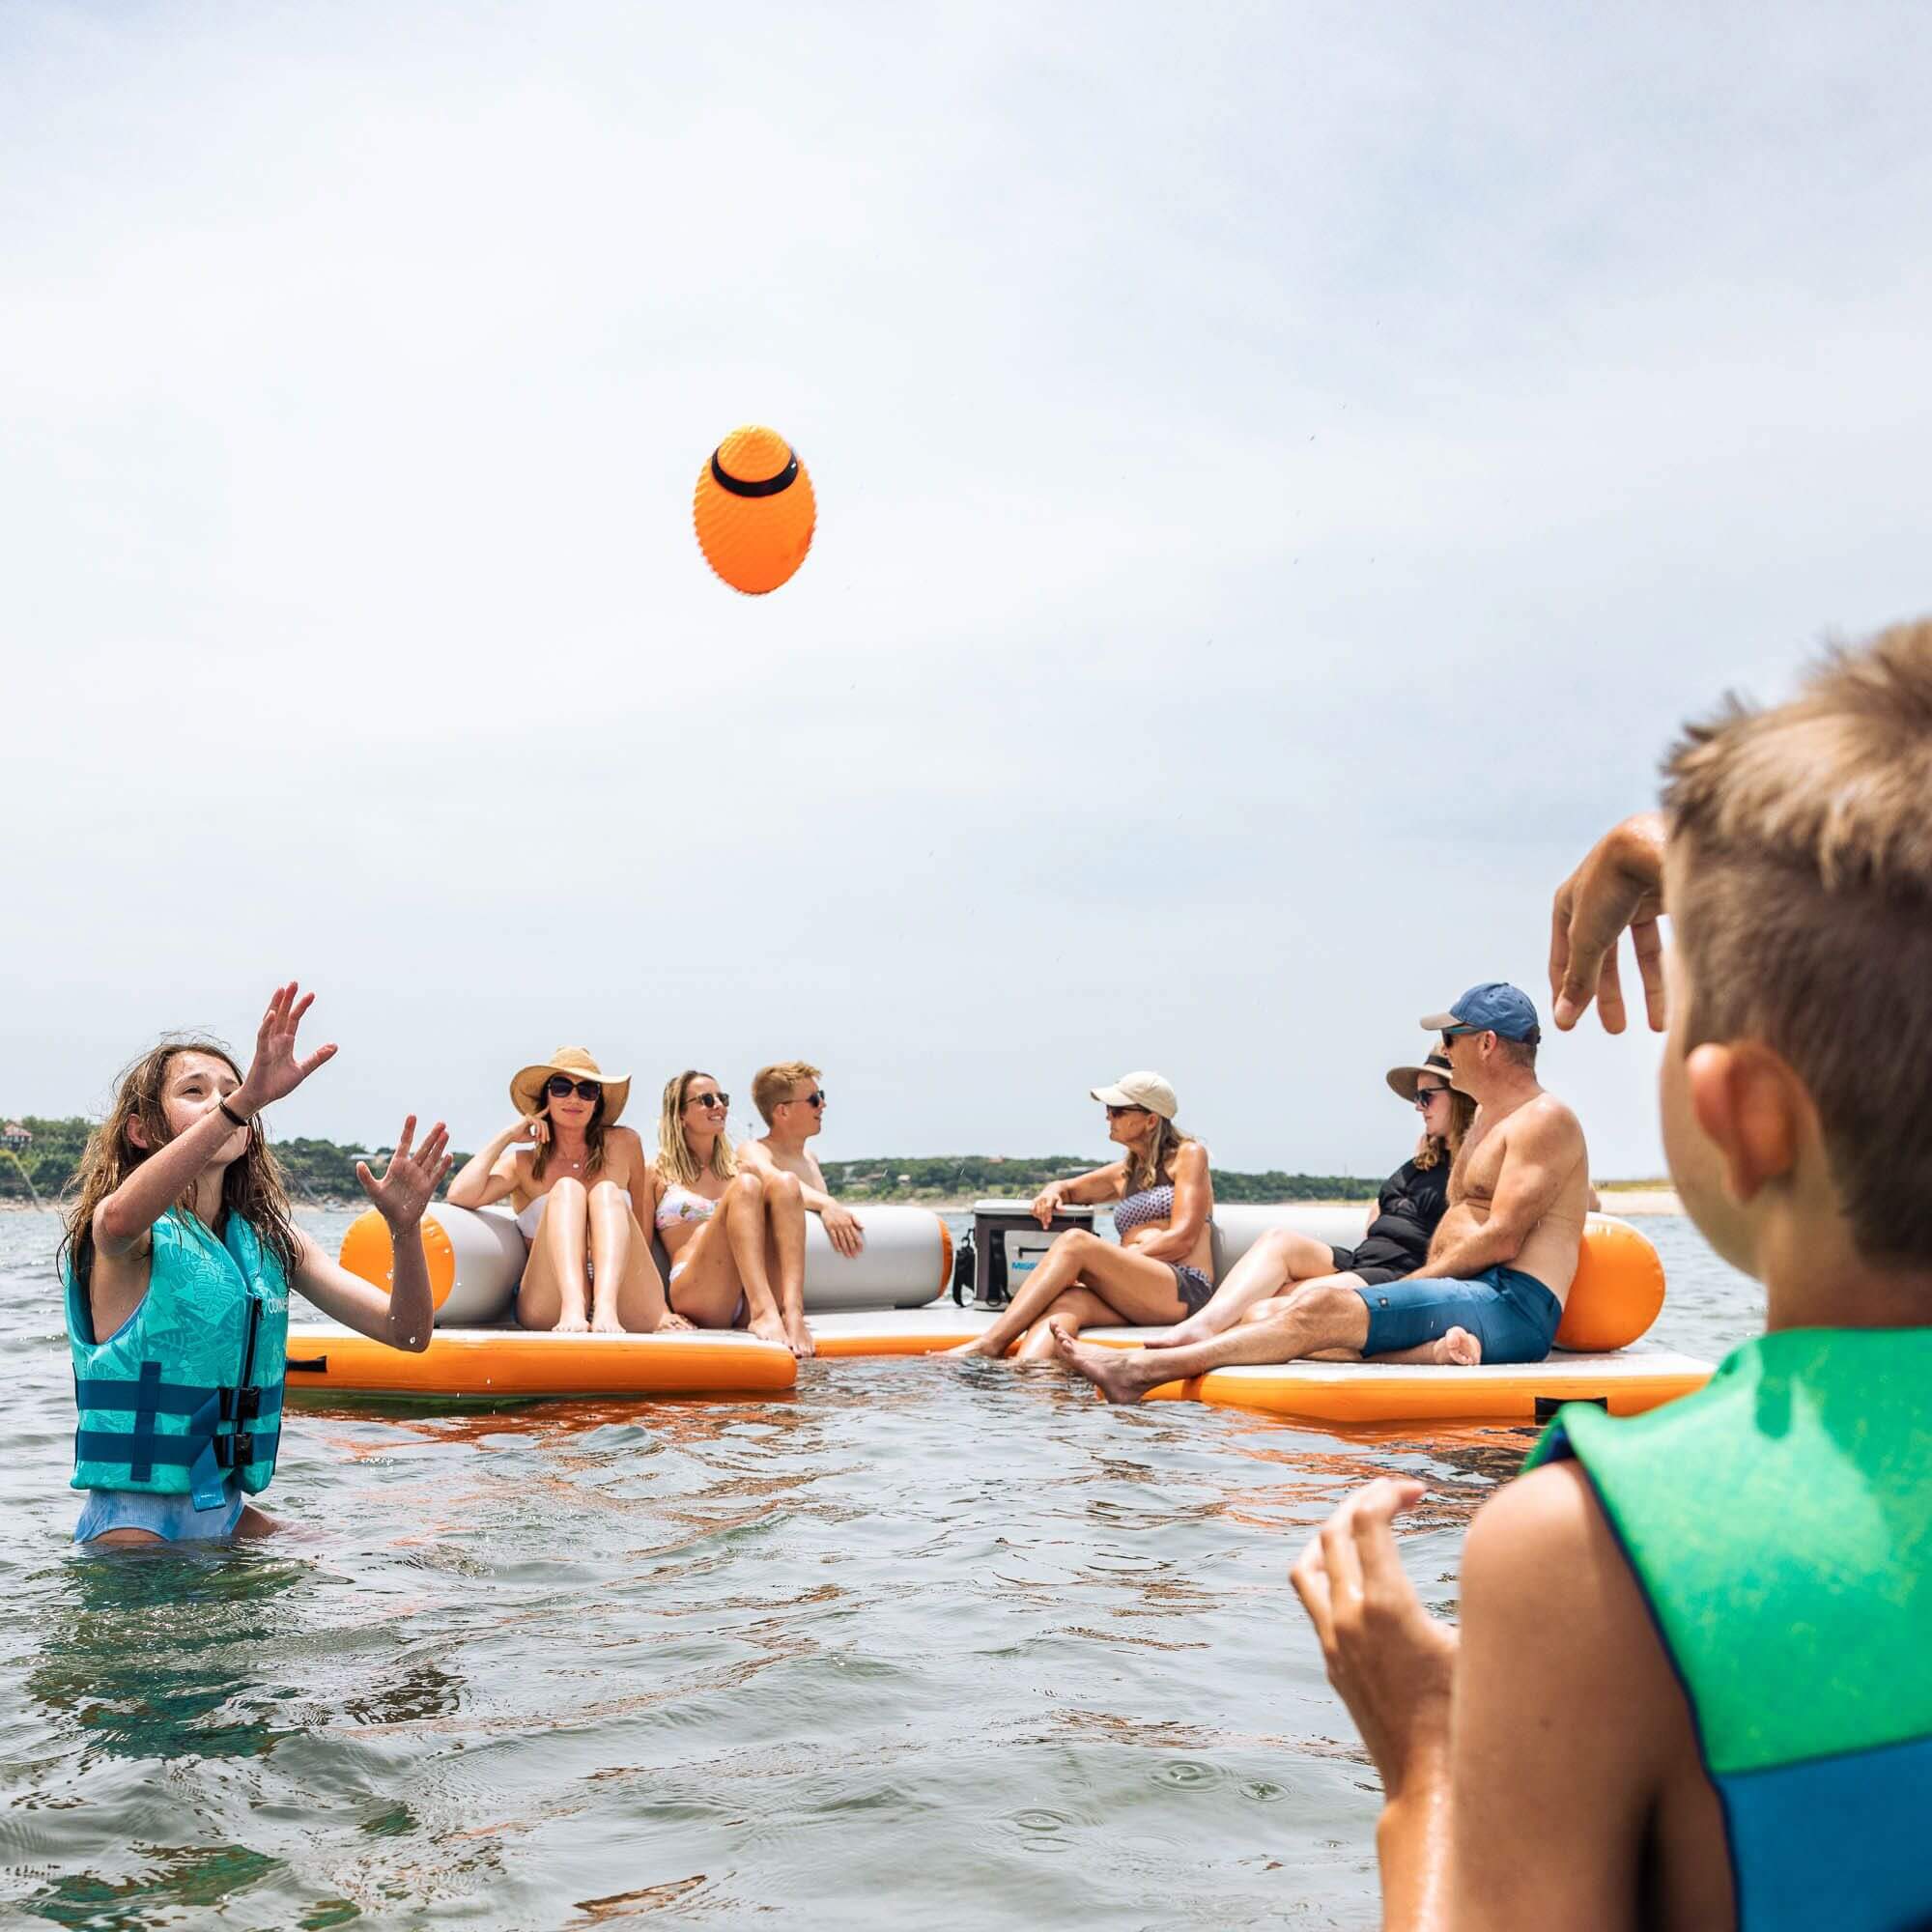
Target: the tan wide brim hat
pixel 1139 1089
pixel 1405 1080
pixel 526 1089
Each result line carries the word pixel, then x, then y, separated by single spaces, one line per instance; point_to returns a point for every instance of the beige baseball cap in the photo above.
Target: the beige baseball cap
pixel 1140 1090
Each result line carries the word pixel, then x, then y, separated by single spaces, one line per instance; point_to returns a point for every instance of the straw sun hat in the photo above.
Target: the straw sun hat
pixel 1405 1080
pixel 526 1093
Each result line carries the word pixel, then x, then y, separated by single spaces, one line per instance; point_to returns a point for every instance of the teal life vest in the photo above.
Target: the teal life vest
pixel 1780 1523
pixel 188 1391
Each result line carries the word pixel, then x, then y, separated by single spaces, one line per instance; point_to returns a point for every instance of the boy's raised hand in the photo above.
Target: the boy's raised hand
pixel 1619 885
pixel 409 1182
pixel 276 1070
pixel 1391 1660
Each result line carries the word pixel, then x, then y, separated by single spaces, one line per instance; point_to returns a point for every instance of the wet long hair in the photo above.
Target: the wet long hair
pixel 252 1187
pixel 1152 1162
pixel 1431 1148
pixel 593 1139
pixel 676 1159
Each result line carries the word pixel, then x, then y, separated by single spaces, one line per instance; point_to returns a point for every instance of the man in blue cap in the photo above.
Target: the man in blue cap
pixel 1499 1266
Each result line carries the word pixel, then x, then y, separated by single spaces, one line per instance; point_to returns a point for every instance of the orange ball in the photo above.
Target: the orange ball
pixel 754 511
pixel 1617 1293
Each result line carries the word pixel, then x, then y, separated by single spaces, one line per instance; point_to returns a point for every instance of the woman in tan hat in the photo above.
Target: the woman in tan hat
pixel 1413 1199
pixel 582 1189
pixel 735 1236
pixel 1159 1270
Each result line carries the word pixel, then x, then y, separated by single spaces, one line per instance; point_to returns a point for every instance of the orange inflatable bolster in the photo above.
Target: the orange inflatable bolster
pixel 495 1362
pixel 1618 1292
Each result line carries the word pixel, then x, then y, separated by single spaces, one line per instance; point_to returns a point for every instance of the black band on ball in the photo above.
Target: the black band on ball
pixel 769 487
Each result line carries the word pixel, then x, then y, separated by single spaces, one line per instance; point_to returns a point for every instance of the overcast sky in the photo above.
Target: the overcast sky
pixel 1283 474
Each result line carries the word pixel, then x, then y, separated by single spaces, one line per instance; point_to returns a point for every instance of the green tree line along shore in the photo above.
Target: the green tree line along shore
pixel 323 1172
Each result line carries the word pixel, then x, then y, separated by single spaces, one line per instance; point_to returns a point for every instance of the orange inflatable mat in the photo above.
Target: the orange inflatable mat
pixel 495 1363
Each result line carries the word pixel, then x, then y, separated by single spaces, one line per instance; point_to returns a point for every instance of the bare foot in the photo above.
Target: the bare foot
pixel 798 1338
pixel 975 1347
pixel 1458 1349
pixel 1120 1375
pixel 769 1329
pixel 603 1323
pixel 1193 1329
pixel 570 1324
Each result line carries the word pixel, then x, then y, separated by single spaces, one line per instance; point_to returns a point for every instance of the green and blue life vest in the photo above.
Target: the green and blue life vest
pixel 188 1391
pixel 1780 1523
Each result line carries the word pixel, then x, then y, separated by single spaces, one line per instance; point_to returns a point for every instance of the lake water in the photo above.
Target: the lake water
pixel 946 1645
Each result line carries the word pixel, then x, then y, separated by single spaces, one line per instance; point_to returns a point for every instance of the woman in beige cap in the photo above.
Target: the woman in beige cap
pixel 1159 1270
pixel 581 1186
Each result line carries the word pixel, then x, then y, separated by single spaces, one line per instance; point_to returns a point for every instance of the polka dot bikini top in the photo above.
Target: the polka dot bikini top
pixel 1151 1204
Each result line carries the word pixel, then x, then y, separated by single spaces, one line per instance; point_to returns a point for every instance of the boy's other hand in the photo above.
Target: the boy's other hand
pixel 1620 884
pixel 1391 1660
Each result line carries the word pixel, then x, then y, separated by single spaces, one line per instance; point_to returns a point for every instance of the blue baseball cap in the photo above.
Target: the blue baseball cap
pixel 1495 1007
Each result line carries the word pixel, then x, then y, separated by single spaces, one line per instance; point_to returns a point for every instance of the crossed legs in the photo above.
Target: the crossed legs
pixel 1082 1281
pixel 1277 1262
pixel 1324 1319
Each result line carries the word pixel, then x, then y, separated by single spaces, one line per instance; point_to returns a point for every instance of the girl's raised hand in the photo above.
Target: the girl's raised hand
pixel 412 1177
pixel 276 1070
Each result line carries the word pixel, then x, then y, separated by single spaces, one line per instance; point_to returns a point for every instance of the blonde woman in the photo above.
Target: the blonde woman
pixel 727 1230
pixel 581 1188
pixel 1413 1200
pixel 1158 1272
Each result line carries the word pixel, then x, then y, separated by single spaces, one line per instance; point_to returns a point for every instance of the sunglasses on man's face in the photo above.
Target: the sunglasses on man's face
pixel 709 1100
pixel 560 1088
pixel 814 1101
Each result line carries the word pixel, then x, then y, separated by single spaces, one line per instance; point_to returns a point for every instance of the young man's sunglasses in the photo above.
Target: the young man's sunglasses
pixel 816 1099
pixel 560 1087
pixel 710 1100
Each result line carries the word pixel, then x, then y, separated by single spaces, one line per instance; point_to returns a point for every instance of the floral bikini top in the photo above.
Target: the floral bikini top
pixel 678 1205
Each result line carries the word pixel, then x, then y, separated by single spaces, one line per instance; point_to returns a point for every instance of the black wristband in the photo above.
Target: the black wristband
pixel 239 1120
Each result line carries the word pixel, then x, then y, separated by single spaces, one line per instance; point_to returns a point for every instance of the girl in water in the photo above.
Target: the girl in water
pixel 1159 1270
pixel 582 1187
pixel 178 1257
pixel 730 1231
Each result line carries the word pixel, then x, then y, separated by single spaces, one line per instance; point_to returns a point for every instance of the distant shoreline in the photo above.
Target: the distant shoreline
pixel 1627 1200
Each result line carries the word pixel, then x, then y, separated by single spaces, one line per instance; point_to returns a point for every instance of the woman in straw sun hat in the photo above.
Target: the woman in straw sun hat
pixel 581 1186
pixel 1158 1272
pixel 1413 1200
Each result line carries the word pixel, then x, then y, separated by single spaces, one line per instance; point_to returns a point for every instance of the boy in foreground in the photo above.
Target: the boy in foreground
pixel 1692 1685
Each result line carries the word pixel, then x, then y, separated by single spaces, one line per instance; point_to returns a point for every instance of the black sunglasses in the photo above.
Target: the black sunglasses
pixel 1425 1094
pixel 816 1099
pixel 710 1100
pixel 560 1087
pixel 1115 1113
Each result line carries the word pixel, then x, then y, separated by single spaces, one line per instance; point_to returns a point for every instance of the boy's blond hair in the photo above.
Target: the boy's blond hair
pixel 1805 910
pixel 771 1085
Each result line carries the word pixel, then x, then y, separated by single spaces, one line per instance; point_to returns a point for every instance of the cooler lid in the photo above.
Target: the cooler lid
pixel 1006 1207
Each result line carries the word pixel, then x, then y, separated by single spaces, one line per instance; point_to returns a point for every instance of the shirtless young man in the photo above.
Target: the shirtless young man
pixel 791 1103
pixel 1502 1259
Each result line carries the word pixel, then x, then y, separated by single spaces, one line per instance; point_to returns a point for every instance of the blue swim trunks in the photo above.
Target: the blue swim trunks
pixel 1512 1313
pixel 173 1519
